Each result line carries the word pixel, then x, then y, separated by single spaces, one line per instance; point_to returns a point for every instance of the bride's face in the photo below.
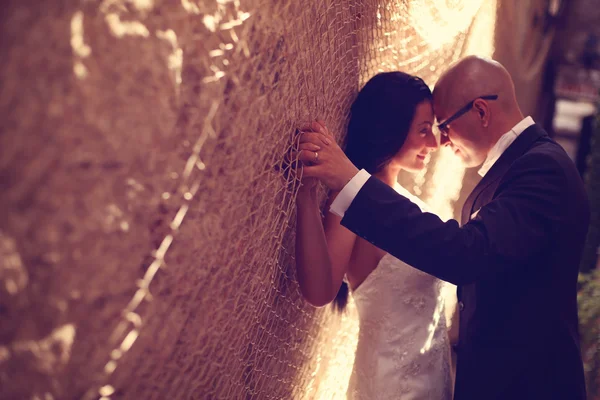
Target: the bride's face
pixel 420 140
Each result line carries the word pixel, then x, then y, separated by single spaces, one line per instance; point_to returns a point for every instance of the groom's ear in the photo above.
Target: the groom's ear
pixel 483 111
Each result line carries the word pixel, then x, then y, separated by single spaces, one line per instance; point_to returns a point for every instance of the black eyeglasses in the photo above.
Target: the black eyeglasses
pixel 443 127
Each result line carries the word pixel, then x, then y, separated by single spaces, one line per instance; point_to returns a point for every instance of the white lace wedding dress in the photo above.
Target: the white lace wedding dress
pixel 403 350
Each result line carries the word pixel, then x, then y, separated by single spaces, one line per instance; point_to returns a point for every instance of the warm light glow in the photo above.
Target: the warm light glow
pixel 119 28
pixel 52 353
pixel 445 184
pixel 80 49
pixel 12 271
pixel 175 61
pixel 190 7
pixel 437 314
pixel 438 23
pixel 125 28
pixel 77 42
pixel 107 390
pixel 330 376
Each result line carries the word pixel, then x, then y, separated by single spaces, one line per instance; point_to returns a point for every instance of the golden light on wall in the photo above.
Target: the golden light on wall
pixel 446 181
pixel 438 23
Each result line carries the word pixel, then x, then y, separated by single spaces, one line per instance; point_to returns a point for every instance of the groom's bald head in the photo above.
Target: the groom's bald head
pixel 474 133
pixel 472 77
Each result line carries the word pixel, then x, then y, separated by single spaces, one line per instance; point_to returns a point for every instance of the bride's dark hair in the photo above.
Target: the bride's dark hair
pixel 380 119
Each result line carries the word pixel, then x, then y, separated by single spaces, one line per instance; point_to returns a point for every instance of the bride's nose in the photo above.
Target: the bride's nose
pixel 432 143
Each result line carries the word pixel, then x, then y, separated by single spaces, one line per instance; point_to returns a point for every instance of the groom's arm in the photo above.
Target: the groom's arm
pixel 518 223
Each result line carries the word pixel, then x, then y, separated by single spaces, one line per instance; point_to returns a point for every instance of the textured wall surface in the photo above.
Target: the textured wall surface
pixel 146 219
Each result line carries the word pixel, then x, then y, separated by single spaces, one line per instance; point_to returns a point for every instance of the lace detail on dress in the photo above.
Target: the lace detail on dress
pixel 403 349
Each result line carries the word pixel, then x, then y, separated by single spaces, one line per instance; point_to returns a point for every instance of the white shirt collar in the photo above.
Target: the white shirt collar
pixel 503 143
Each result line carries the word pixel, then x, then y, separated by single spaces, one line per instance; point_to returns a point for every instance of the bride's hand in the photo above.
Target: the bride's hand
pixel 307 193
pixel 308 186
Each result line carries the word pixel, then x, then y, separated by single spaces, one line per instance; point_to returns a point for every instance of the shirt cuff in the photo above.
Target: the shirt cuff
pixel 343 200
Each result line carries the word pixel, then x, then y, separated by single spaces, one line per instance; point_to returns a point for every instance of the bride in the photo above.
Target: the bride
pixel 403 349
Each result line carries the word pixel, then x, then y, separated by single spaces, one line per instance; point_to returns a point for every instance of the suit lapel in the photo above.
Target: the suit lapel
pixel 515 150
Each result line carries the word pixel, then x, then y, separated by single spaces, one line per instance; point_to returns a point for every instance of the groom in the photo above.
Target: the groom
pixel 515 255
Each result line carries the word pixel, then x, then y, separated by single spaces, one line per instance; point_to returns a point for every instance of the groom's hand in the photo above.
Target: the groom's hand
pixel 329 164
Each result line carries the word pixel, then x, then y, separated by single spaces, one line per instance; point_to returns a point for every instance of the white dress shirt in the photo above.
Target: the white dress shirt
pixel 502 144
pixel 342 202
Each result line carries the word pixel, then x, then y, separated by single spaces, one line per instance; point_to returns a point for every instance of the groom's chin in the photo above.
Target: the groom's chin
pixel 465 160
pixel 471 163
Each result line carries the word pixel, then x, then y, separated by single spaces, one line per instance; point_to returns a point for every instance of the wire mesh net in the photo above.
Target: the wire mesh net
pixel 146 216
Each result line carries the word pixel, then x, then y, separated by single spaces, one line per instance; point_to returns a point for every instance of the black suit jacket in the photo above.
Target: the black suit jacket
pixel 515 264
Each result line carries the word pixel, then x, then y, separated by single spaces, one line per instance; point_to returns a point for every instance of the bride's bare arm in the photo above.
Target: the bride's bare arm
pixel 323 250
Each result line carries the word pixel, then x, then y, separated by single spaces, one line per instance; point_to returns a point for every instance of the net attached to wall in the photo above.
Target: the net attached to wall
pixel 146 218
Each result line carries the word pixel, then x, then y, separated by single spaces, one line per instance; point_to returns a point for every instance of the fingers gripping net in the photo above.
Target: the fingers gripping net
pixel 147 218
